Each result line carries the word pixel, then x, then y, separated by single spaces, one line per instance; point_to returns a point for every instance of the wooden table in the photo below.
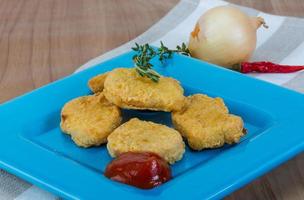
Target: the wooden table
pixel 44 40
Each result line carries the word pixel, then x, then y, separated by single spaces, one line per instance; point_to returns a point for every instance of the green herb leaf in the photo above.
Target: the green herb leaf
pixel 145 53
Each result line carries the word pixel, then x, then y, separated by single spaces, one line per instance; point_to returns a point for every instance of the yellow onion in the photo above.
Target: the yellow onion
pixel 224 36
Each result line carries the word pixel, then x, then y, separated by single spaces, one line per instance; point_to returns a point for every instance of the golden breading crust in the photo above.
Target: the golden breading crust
pixel 206 123
pixel 143 136
pixel 127 89
pixel 97 82
pixel 89 119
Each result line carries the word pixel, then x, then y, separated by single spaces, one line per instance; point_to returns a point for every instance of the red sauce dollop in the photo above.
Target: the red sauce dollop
pixel 144 170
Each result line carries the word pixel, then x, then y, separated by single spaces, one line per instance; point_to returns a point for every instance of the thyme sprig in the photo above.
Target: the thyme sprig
pixel 142 61
pixel 183 49
pixel 145 53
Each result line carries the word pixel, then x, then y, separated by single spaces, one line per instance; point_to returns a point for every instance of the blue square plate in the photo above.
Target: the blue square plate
pixel 33 147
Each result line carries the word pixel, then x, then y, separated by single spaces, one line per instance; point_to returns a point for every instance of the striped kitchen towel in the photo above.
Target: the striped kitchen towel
pixel 283 43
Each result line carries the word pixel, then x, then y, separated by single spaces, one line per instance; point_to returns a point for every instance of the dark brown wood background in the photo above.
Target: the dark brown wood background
pixel 44 40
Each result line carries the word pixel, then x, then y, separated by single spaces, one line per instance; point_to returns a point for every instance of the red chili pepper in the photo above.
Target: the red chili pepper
pixel 267 67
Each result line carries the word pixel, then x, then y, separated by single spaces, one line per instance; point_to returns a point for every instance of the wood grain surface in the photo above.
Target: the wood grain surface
pixel 44 40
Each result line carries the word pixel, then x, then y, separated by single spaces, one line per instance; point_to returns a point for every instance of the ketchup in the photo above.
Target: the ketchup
pixel 144 170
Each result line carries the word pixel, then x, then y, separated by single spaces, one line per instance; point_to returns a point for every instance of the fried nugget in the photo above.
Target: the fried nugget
pixel 97 82
pixel 206 123
pixel 143 136
pixel 127 89
pixel 89 119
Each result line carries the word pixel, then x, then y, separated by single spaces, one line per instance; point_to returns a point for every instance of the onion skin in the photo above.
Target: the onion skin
pixel 224 36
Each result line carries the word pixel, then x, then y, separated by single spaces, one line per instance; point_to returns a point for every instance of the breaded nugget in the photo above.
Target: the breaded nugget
pixel 143 136
pixel 127 89
pixel 206 123
pixel 96 83
pixel 89 119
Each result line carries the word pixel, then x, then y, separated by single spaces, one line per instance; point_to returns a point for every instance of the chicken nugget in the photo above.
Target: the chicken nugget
pixel 127 89
pixel 206 123
pixel 97 82
pixel 143 136
pixel 89 119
